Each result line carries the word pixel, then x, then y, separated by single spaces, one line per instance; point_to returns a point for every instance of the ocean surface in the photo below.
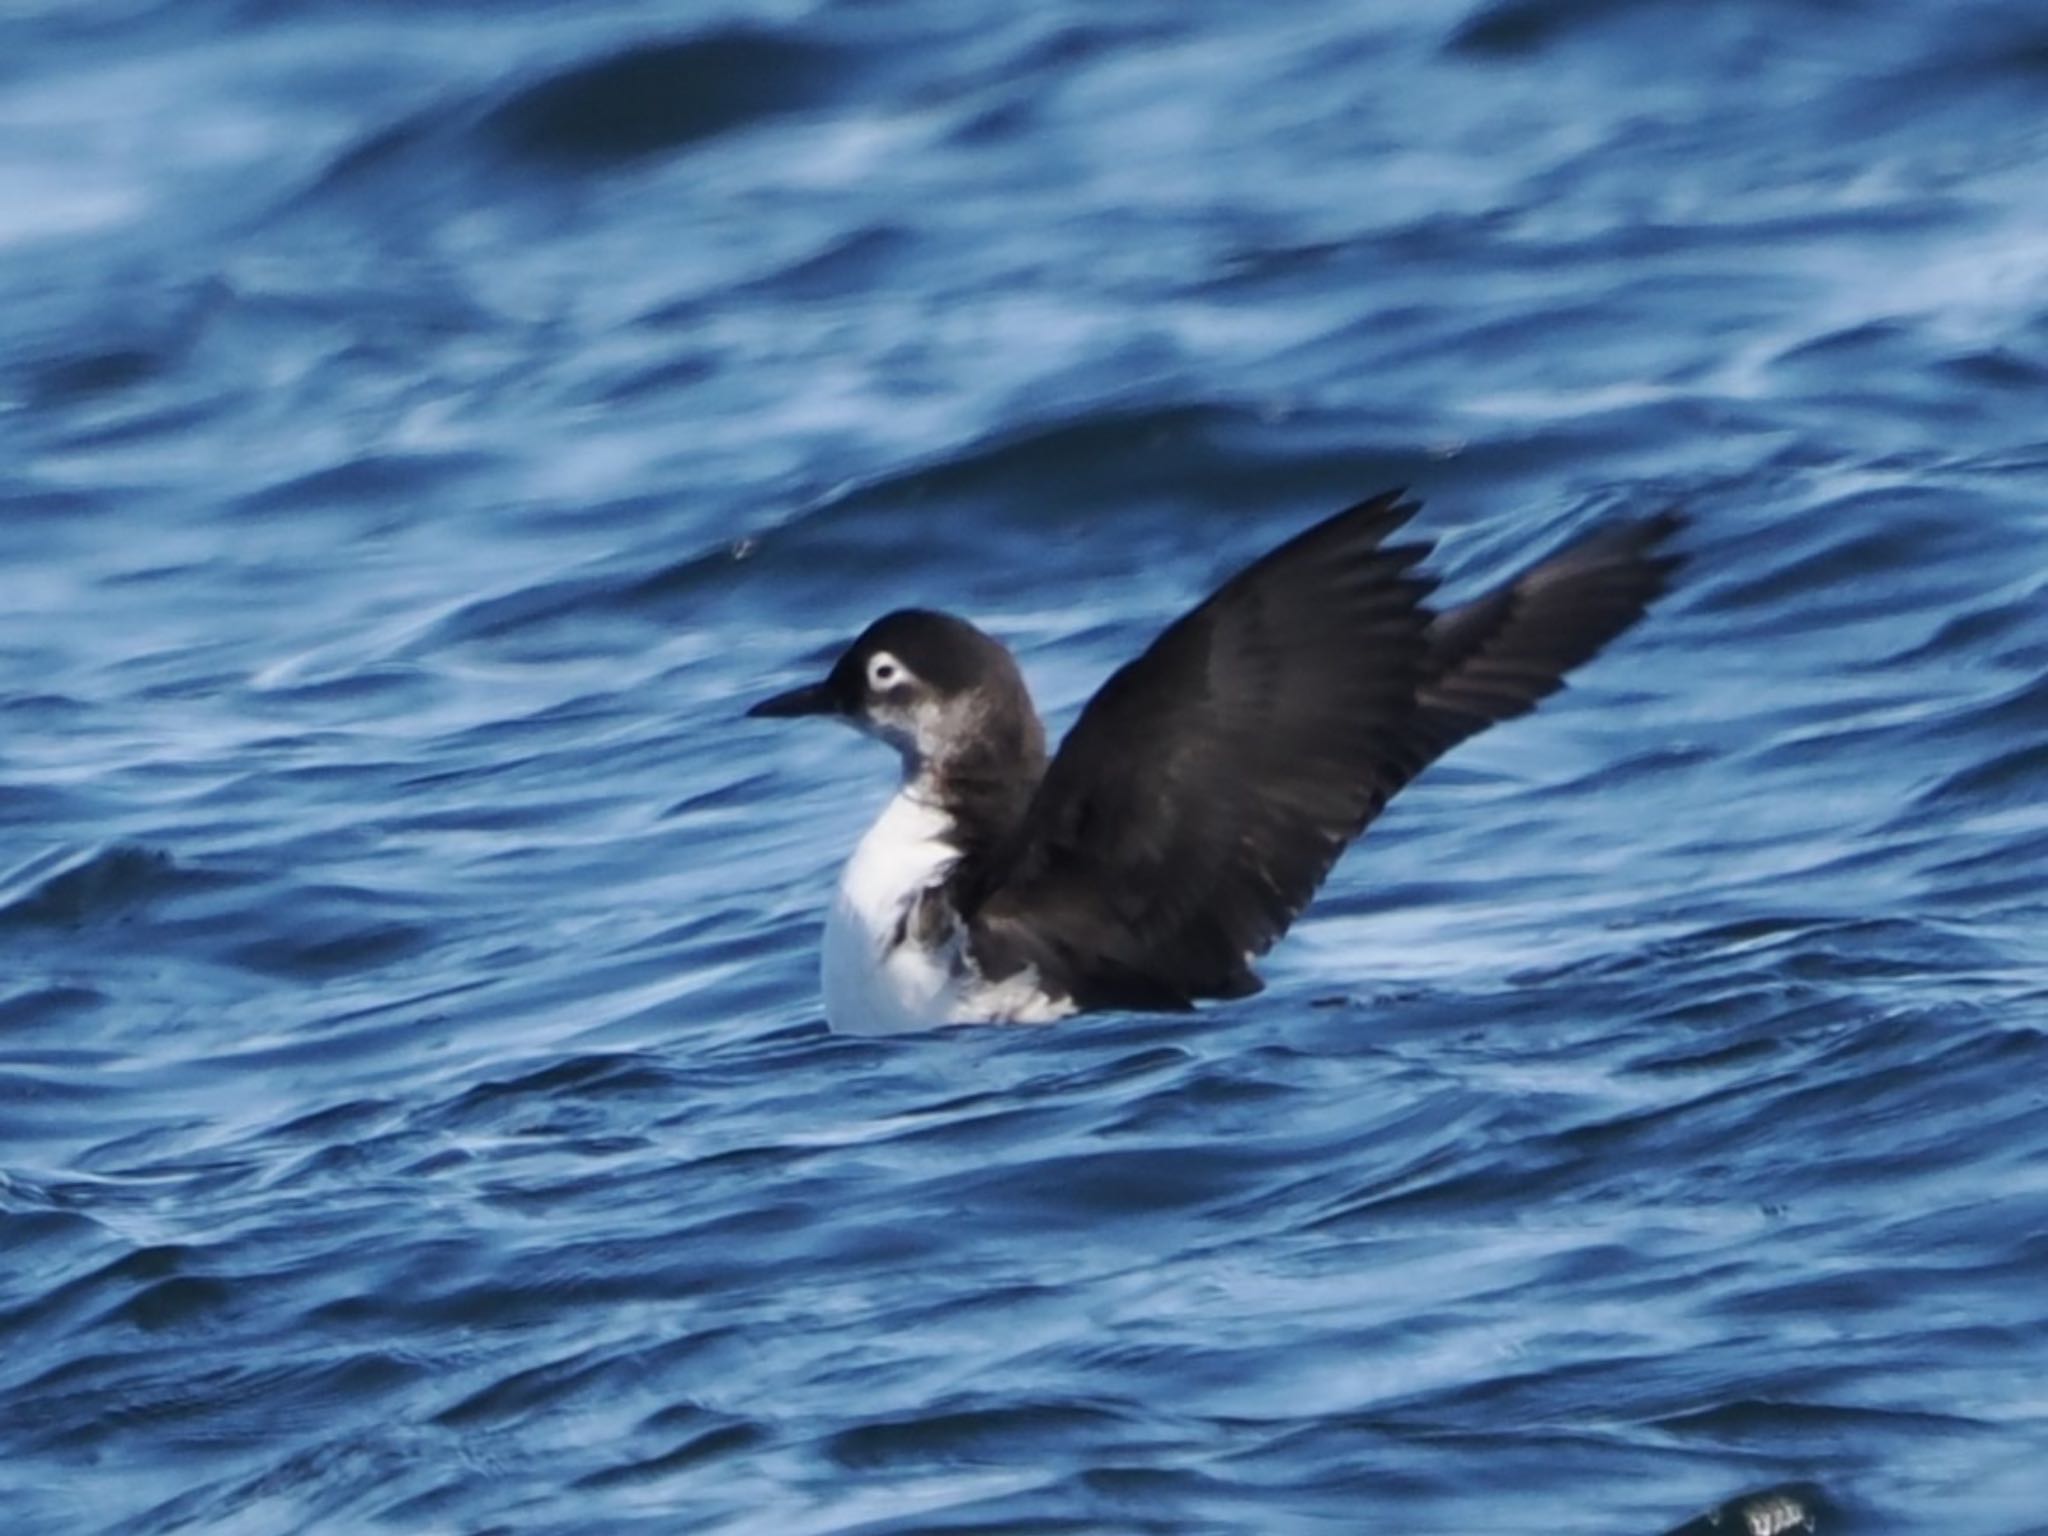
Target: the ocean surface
pixel 425 427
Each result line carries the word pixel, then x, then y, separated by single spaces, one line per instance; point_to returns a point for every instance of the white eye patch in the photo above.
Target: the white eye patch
pixel 885 671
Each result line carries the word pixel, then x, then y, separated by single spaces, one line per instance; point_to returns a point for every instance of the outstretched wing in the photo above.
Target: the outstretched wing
pixel 1500 655
pixel 1204 793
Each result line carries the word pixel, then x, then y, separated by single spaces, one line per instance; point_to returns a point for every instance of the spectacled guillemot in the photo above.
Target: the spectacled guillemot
pixel 1204 792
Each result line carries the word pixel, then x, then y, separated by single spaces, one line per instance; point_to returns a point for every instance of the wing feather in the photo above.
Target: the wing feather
pixel 1205 792
pixel 1501 655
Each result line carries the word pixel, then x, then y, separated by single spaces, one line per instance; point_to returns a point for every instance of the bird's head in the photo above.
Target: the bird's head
pixel 938 690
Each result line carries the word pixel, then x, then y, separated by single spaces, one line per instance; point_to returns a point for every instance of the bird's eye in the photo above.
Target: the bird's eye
pixel 884 671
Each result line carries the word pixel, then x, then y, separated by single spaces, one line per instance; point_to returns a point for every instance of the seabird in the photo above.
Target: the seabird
pixel 1202 795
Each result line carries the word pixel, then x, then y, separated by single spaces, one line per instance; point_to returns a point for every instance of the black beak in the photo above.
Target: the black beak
pixel 812 699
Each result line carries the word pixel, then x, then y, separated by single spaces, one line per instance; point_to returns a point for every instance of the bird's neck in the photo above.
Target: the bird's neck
pixel 980 790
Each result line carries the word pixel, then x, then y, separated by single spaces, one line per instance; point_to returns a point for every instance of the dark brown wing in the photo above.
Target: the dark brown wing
pixel 1205 792
pixel 1500 655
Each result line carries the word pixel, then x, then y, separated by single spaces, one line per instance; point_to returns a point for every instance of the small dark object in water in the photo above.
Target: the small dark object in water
pixel 1792 1509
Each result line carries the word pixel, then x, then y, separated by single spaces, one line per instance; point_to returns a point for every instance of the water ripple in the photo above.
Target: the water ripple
pixel 431 427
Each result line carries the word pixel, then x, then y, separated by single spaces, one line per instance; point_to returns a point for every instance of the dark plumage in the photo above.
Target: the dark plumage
pixel 1204 793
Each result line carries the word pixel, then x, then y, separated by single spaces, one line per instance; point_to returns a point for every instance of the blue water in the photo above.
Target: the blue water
pixel 425 427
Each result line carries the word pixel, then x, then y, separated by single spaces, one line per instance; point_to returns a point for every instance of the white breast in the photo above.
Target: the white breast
pixel 875 985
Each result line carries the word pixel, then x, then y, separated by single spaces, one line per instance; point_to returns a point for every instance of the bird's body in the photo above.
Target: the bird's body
pixel 1204 792
pixel 870 971
pixel 880 976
